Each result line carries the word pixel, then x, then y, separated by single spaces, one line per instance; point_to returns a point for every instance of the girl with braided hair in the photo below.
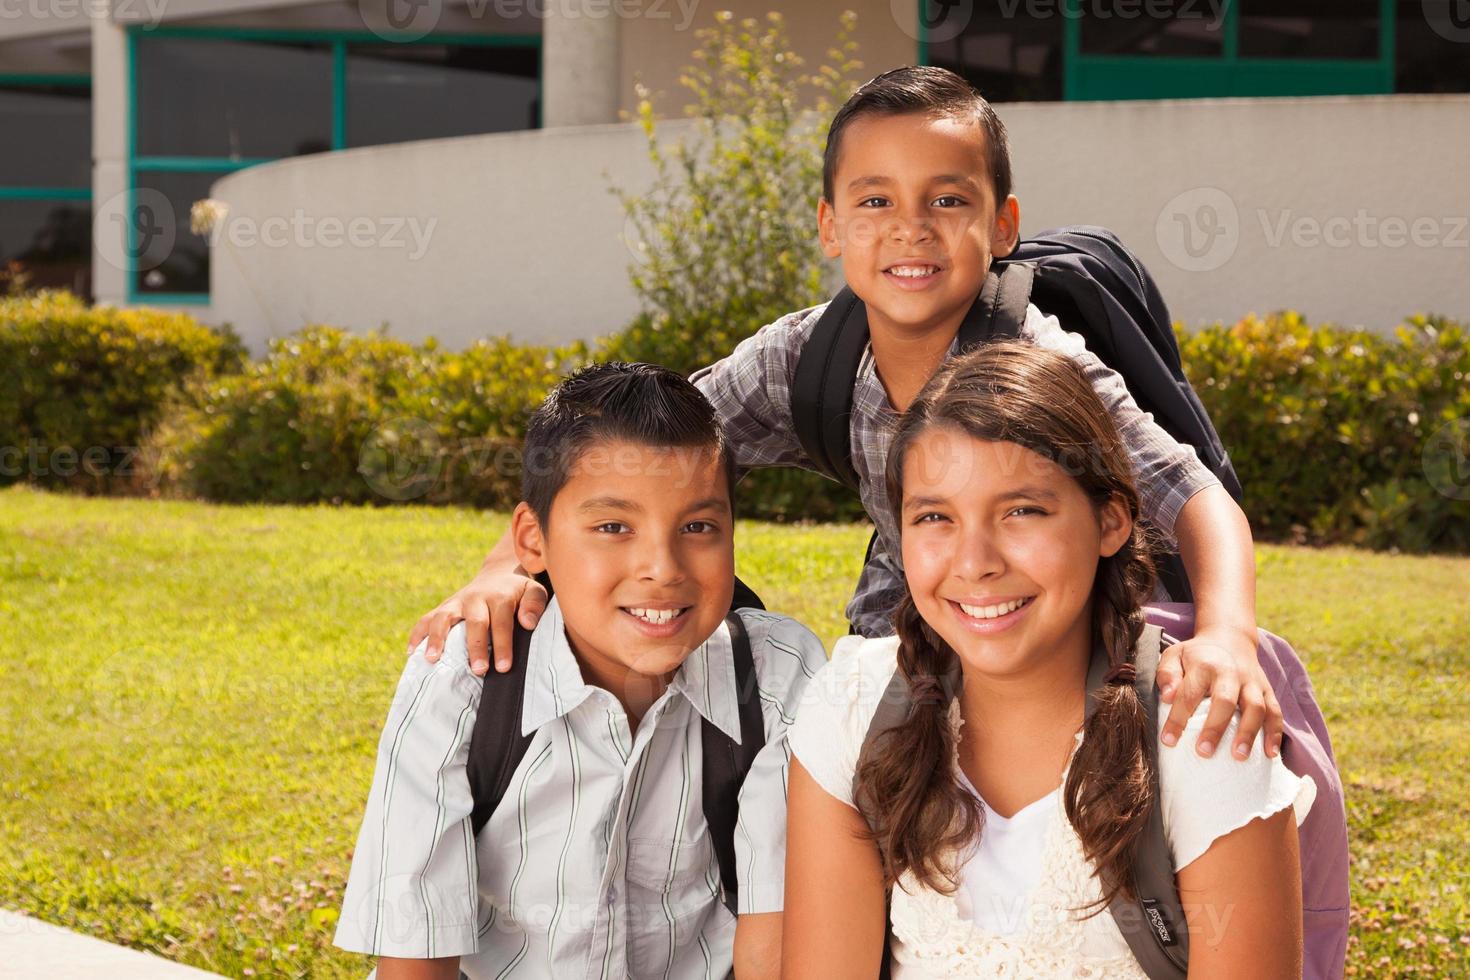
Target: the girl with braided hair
pixel 1002 818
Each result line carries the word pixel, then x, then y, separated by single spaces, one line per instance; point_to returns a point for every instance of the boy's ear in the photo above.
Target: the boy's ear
pixel 528 539
pixel 827 229
pixel 1006 231
pixel 1116 525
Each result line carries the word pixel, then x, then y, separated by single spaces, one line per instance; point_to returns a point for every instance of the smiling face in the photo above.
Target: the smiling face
pixel 914 217
pixel 1000 550
pixel 639 547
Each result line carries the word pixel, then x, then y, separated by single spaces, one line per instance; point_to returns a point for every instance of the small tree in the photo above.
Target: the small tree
pixel 725 235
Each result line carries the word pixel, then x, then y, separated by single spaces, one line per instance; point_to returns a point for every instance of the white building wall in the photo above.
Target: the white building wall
pixel 1348 209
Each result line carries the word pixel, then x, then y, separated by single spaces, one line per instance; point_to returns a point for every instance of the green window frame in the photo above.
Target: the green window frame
pixel 1098 77
pixel 338 41
pixel 49 192
pixel 22 80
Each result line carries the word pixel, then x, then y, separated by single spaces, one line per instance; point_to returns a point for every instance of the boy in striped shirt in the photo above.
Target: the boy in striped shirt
pixel 599 860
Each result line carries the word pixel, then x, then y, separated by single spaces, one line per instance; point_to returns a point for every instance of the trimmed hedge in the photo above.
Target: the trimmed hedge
pixel 335 416
pixel 79 385
pixel 1339 435
pixel 1343 435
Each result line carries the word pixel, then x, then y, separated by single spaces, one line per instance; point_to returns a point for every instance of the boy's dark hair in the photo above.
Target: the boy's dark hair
pixel 921 88
pixel 638 403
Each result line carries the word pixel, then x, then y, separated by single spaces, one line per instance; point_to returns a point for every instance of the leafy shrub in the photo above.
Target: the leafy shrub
pixel 331 415
pixel 79 384
pixel 725 234
pixel 1342 435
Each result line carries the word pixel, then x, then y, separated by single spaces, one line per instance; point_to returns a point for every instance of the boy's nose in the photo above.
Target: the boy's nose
pixel 908 229
pixel 656 561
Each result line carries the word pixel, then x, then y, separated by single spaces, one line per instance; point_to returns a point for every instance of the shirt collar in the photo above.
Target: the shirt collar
pixel 555 687
pixel 554 684
pixel 707 681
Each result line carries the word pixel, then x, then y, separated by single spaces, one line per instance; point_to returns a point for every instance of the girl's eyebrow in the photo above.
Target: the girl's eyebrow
pixel 1031 493
pixel 916 503
pixel 1020 493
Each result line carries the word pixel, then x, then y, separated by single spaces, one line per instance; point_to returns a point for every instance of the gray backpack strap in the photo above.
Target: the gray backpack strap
pixel 1153 921
pixel 893 710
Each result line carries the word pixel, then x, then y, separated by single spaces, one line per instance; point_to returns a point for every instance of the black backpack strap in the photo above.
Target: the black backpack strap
pixel 1153 920
pixel 496 743
pixel 821 391
pixel 1000 310
pixel 726 764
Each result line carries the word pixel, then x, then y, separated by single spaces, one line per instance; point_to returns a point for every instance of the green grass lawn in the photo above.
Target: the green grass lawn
pixel 191 695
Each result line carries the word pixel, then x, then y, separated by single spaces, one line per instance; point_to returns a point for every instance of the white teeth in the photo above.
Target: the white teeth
pixel 913 271
pixel 991 612
pixel 655 616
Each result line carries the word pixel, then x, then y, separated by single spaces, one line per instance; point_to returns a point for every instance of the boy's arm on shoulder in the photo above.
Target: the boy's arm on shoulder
pixel 751 392
pixel 411 891
pixel 1168 473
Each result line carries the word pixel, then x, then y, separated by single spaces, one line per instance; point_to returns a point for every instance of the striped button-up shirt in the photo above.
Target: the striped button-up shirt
pixel 751 391
pixel 598 861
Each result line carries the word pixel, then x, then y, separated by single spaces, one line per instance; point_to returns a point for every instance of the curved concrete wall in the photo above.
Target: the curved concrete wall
pixel 1349 209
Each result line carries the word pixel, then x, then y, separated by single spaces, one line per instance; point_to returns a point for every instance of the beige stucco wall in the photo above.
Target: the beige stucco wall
pixel 1349 209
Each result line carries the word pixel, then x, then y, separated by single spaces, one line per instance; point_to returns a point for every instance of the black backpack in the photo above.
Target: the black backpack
pixel 1093 285
pixel 1152 921
pixel 497 745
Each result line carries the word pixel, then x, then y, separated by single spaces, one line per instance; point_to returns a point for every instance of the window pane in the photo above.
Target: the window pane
pixel 52 240
pixel 233 98
pixel 168 257
pixel 1008 58
pixel 1127 27
pixel 1309 28
pixel 398 92
pixel 47 133
pixel 1433 42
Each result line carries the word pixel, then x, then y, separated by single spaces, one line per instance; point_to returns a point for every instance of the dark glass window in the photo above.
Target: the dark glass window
pixel 47 134
pixel 1008 58
pixel 1309 29
pixel 232 99
pixel 167 256
pixel 1433 46
pixel 398 92
pixel 1128 27
pixel 52 241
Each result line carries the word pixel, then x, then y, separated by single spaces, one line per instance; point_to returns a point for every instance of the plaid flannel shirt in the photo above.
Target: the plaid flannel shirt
pixel 751 391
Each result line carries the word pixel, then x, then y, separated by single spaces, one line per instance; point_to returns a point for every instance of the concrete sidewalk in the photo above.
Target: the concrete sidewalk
pixel 36 950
